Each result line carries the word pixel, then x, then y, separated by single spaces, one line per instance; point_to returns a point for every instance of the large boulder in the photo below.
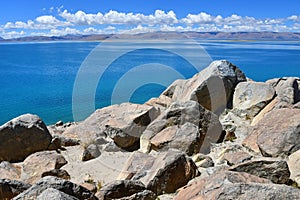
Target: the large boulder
pixel 23 136
pixel 164 173
pixel 186 126
pixel 212 186
pixel 242 191
pixel 275 170
pixel 287 90
pixel 38 163
pixel 123 189
pixel 294 166
pixel 277 133
pixel 212 87
pixel 62 185
pixel 11 188
pixel 123 123
pixel 54 194
pixel 251 97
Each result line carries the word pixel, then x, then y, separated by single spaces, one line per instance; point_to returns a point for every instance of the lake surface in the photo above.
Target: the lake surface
pixel 39 77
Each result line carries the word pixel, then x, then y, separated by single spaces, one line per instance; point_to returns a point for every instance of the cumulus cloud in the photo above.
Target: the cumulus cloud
pixel 13 34
pixel 62 22
pixel 114 17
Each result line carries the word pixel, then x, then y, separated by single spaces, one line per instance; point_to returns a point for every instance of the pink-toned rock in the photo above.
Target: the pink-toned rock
pixel 186 126
pixel 164 173
pixel 38 163
pixel 277 133
pixel 9 171
pixel 123 123
pixel 212 186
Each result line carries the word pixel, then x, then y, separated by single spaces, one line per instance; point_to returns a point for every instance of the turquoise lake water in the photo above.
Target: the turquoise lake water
pixel 39 77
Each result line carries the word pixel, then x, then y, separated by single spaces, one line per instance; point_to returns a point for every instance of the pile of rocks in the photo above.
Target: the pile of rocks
pixel 217 135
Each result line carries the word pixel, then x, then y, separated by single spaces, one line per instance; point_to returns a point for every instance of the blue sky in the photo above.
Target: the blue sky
pixel 59 17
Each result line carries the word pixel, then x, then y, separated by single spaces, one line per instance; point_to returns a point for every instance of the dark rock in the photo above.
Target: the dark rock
pixel 11 188
pixel 62 185
pixel 273 169
pixel 60 173
pixel 120 189
pixel 23 136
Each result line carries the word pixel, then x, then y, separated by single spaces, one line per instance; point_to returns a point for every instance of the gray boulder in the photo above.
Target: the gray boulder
pixel 123 123
pixel 294 166
pixel 91 152
pixel 124 189
pixel 251 97
pixel 62 185
pixel 164 173
pixel 186 126
pixel 212 87
pixel 23 136
pixel 211 187
pixel 54 194
pixel 275 170
pixel 287 90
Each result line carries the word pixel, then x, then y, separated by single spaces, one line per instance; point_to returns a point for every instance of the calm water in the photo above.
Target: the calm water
pixel 39 77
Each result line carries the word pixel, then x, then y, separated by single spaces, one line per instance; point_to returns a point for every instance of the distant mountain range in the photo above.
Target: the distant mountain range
pixel 166 35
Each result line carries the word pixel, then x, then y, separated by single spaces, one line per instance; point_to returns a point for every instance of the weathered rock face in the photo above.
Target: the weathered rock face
pixel 212 186
pixel 164 173
pixel 250 97
pixel 287 90
pixel 186 126
pixel 273 169
pixel 51 193
pixel 9 171
pixel 212 87
pixel 294 166
pixel 23 136
pixel 11 188
pixel 122 189
pixel 62 185
pixel 123 123
pixel 38 163
pixel 241 191
pixel 277 133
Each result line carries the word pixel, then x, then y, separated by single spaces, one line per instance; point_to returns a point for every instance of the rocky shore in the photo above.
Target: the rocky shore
pixel 218 135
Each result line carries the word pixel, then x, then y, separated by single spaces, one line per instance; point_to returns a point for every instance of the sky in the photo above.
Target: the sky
pixel 19 18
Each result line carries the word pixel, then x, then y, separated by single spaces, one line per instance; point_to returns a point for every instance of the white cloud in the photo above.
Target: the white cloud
pixel 60 22
pixel 114 17
pixel 12 34
pixel 201 18
pixel 65 31
pixel 47 19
